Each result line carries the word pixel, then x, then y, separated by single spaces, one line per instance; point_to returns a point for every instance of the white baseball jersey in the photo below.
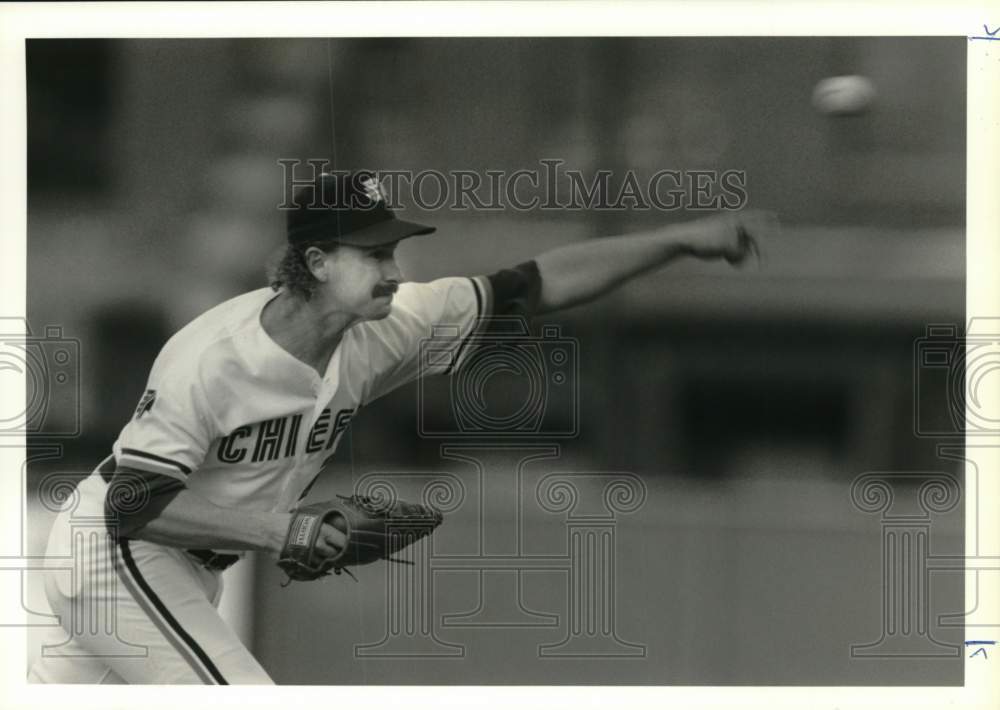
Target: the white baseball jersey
pixel 245 424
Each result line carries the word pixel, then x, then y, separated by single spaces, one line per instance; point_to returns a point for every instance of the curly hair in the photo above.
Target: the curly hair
pixel 290 270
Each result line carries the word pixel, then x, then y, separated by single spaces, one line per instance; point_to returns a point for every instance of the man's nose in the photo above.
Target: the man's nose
pixel 390 271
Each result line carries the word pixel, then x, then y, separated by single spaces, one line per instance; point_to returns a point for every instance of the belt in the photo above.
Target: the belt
pixel 213 560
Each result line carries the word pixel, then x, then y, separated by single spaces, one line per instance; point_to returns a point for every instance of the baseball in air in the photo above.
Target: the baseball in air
pixel 844 95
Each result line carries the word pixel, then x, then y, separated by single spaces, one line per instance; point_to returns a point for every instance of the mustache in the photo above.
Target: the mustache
pixel 386 288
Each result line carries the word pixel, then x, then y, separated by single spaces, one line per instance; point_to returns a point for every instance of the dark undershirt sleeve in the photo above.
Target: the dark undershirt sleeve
pixel 135 497
pixel 517 290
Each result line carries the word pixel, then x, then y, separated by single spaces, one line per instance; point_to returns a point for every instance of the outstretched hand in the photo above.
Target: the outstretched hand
pixel 733 236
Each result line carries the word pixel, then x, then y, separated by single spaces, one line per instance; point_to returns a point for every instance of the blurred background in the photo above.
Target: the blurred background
pixel 746 401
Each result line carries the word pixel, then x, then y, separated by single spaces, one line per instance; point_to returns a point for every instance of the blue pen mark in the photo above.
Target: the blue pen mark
pixel 990 36
pixel 979 650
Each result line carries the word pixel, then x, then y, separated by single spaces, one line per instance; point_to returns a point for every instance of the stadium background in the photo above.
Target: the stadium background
pixel 747 401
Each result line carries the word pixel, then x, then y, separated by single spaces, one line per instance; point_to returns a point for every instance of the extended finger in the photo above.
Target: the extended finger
pixel 754 248
pixel 743 240
pixel 325 549
pixel 333 537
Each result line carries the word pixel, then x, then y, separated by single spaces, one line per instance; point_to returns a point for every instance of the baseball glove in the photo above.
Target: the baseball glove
pixel 374 531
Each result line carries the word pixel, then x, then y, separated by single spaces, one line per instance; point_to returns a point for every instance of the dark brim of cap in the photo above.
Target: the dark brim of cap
pixel 391 230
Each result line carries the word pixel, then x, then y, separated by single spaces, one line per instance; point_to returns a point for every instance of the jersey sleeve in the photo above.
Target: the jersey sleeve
pixel 171 429
pixel 431 330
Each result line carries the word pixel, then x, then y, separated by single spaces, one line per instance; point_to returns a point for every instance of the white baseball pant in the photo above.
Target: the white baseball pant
pixel 132 611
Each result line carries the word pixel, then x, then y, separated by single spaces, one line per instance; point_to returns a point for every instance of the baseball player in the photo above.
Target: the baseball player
pixel 245 404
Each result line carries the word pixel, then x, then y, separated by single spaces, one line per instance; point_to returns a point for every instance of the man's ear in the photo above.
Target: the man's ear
pixel 315 259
